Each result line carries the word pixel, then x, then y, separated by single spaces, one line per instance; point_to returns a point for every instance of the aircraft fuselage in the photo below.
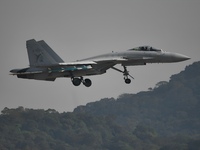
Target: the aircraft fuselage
pixel 45 64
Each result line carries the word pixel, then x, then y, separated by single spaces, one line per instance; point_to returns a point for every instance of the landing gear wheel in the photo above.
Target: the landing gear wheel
pixel 76 81
pixel 127 81
pixel 125 73
pixel 87 82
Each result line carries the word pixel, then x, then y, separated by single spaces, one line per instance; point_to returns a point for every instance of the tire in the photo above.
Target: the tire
pixel 76 81
pixel 87 82
pixel 127 81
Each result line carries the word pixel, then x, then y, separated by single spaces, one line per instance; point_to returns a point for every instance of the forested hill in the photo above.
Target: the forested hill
pixel 166 117
pixel 170 108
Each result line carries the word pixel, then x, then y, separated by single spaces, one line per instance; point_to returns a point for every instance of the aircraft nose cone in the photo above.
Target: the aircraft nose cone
pixel 173 57
pixel 180 57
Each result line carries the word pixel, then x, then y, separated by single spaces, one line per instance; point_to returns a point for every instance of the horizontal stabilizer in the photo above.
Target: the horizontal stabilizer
pixel 34 72
pixel 26 71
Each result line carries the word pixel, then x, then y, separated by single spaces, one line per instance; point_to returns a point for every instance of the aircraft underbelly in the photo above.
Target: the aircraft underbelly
pixel 133 63
pixel 41 76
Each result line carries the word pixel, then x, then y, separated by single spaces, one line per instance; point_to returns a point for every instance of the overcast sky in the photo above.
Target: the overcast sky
pixel 78 29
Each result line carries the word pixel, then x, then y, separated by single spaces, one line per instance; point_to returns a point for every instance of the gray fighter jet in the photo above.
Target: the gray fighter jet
pixel 45 64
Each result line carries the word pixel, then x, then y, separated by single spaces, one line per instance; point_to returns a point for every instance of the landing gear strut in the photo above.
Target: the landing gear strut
pixel 77 81
pixel 125 73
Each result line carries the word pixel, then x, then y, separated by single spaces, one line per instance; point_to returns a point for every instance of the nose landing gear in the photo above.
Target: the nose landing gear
pixel 125 73
pixel 127 80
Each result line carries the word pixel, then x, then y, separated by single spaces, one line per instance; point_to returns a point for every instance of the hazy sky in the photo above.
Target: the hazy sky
pixel 78 29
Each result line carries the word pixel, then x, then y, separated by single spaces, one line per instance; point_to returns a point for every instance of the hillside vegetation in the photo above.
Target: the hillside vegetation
pixel 164 118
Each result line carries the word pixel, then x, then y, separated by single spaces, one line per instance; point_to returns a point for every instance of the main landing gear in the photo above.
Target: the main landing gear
pixel 77 81
pixel 125 73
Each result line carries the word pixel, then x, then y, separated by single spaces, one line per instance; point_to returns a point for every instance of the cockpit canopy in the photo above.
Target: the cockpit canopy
pixel 146 48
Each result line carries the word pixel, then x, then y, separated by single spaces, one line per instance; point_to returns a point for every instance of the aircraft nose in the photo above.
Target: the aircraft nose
pixel 180 57
pixel 173 57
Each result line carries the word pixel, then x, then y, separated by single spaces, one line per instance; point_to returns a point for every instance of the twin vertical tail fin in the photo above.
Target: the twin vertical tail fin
pixel 41 55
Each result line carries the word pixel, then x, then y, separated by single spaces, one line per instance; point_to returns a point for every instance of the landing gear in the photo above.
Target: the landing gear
pixel 87 82
pixel 125 73
pixel 127 81
pixel 77 81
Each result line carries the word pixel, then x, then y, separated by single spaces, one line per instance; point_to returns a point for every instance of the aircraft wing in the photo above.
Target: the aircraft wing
pixel 77 63
pixel 119 59
pixel 138 58
pixel 106 63
pixel 122 60
pixel 113 59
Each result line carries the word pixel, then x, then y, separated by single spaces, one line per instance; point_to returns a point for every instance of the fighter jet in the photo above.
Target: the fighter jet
pixel 46 65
